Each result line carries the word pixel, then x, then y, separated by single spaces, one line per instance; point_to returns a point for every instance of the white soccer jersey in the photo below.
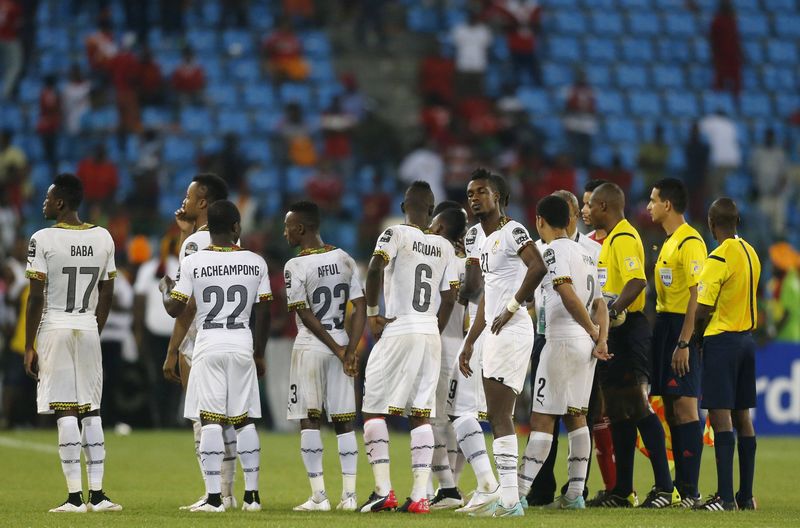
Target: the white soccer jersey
pixel 473 242
pixel 567 263
pixel 503 272
pixel 322 280
pixel 225 284
pixel 71 260
pixel 195 242
pixel 419 267
pixel 455 325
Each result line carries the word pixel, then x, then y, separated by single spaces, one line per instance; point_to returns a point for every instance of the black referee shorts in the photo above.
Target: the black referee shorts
pixel 664 381
pixel 630 345
pixel 729 371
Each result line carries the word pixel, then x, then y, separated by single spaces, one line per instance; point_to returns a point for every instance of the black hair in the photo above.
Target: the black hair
pixel 502 189
pixel 69 188
pixel 216 188
pixel 419 197
pixel 445 205
pixel 308 212
pixel 484 174
pixel 724 213
pixel 455 222
pixel 673 191
pixel 222 214
pixel 555 211
pixel 591 185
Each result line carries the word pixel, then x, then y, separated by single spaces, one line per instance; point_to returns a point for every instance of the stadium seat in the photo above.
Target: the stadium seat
pixel 607 24
pixel 258 95
pixel 101 120
pixel 316 45
pixel 671 5
pixel 211 12
pixel 420 20
pixel 640 5
pixel 296 178
pixel 644 104
pixel 153 117
pixel 204 41
pixel 637 50
pixel 326 93
pixel 787 26
pixel 263 182
pixel 644 23
pixel 600 50
pixel 599 76
pixel 564 49
pixel 257 151
pixel 556 75
pixel 783 6
pixel 245 70
pixel 234 122
pixel 56 38
pixel 676 51
pixel 570 22
pixel 680 25
pixel 753 52
pixel 237 42
pixel 777 78
pixel 224 94
pixel 631 77
pixel 178 150
pixel 682 105
pixel 748 6
pixel 500 49
pixel 535 101
pixel 260 18
pixel 668 77
pixel 29 90
pixel 215 72
pixel 295 92
pixel 713 101
pixel 196 121
pixel 611 103
pixel 700 77
pixel 322 72
pixel 701 50
pixel 754 25
pixel 266 121
pixel 621 130
pixel 755 105
pixel 782 52
pixel 786 104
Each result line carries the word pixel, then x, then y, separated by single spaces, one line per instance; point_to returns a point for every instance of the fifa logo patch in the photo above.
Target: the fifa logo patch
pixel 666 276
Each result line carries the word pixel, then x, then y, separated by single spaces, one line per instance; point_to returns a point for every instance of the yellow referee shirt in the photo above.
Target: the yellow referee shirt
pixel 622 259
pixel 729 281
pixel 678 269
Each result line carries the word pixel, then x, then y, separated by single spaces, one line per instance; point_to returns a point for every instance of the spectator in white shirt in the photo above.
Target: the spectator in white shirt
pixel 723 140
pixel 769 167
pixel 424 163
pixel 472 40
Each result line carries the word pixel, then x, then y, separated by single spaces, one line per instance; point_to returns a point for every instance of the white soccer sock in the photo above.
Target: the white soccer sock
pixel 212 451
pixel 348 458
pixel 505 458
pixel 532 460
pixel 578 461
pixel 458 469
pixel 376 444
pixel 452 450
pixel 473 445
pixel 94 451
pixel 311 451
pixel 248 446
pixel 196 427
pixel 440 465
pixel 69 450
pixel 421 457
pixel 229 461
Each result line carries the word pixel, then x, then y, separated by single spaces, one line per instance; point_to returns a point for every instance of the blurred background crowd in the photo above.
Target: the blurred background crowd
pixel 346 101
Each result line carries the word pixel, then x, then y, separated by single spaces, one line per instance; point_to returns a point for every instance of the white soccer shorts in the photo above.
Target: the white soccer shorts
pixel 186 348
pixel 465 396
pixel 401 375
pixel 317 381
pixel 223 387
pixel 563 381
pixel 506 357
pixel 451 348
pixel 70 371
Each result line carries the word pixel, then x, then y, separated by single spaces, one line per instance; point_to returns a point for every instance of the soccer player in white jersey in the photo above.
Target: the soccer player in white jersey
pixel 512 268
pixel 319 283
pixel 541 490
pixel 192 219
pixel 419 283
pixel 71 271
pixel 449 221
pixel 226 283
pixel 574 339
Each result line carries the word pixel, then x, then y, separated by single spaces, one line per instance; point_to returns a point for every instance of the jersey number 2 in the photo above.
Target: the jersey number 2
pixel 219 302
pixel 324 295
pixel 72 279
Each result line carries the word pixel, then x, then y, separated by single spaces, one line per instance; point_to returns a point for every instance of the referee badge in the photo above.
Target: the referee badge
pixel 631 263
pixel 696 267
pixel 602 276
pixel 666 276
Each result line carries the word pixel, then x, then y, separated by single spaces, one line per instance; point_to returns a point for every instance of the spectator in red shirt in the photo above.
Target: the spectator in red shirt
pixel 10 45
pixel 99 177
pixel 337 129
pixel 326 187
pixel 282 55
pixel 49 122
pixel 125 70
pixel 151 81
pixel 580 119
pixel 521 42
pixel 101 50
pixel 436 77
pixel 619 174
pixel 726 49
pixel 189 79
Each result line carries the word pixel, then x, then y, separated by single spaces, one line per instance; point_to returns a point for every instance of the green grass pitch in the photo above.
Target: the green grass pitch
pixel 152 473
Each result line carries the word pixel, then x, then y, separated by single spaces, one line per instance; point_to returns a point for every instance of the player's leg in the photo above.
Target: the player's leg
pixel 543 488
pixel 248 448
pixel 340 403
pixel 687 445
pixel 244 406
pixel 600 427
pixel 229 465
pixel 745 433
pixel 537 451
pixel 440 465
pixel 348 460
pixel 580 452
pixel 500 400
pixel 184 369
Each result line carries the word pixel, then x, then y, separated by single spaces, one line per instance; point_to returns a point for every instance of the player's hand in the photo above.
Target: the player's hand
pixel 600 351
pixel 680 361
pixel 166 284
pixel 501 320
pixel 595 333
pixel 261 366
pixel 32 363
pixel 376 325
pixel 350 364
pixel 463 360
pixel 340 353
pixel 170 367
pixel 184 224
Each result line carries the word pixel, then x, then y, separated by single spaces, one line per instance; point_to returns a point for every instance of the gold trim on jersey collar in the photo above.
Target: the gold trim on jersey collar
pixel 503 221
pixel 224 249
pixel 426 231
pixel 316 251
pixel 62 225
pixel 203 227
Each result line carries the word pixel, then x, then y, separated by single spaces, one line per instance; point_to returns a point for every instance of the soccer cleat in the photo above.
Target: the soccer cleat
pixel 563 503
pixel 446 499
pixel 378 503
pixel 251 506
pixel 633 499
pixel 610 500
pixel 230 502
pixel 104 505
pixel 195 504
pixel 412 506
pixel 68 507
pixel 661 499
pixel 689 503
pixel 597 499
pixel 481 500
pixel 487 510
pixel 348 503
pixel 716 503
pixel 524 502
pixel 515 511
pixel 312 505
pixel 208 508
pixel 746 504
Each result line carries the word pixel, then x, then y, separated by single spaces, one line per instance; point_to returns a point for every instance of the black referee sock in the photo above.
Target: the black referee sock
pixel 723 448
pixel 654 440
pixel 747 466
pixel 690 455
pixel 623 435
pixel 677 432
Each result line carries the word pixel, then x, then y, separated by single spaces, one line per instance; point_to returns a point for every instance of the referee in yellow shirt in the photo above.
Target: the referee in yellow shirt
pixel 676 360
pixel 624 378
pixel 725 317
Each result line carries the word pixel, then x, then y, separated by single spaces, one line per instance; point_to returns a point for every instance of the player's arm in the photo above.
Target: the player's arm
pixel 358 319
pixel 478 325
pixel 702 317
pixel 33 317
pixel 680 356
pixel 105 290
pixel 536 271
pixel 311 322
pixel 261 334
pixel 472 287
pixel 446 307
pixel 600 318
pixel 714 274
pixel 174 304
pixel 372 292
pixel 629 293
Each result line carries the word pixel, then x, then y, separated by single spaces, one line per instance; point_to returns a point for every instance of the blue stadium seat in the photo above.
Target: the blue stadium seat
pixel 224 94
pixel 316 44
pixel 645 24
pixel 753 51
pixel 637 50
pixel 420 20
pixel 713 101
pixel 668 77
pixel 54 37
pixel 631 77
pixel 673 51
pixel 610 103
pixel 264 182
pixel 215 72
pixel 535 101
pixel 641 5
pixel 100 120
pixel 600 50
pixel 204 41
pixel 258 96
pixel 778 78
pixel 238 39
pixel 787 26
pixel 620 130
pixel 748 6
pixel 784 6
pixel 326 93
pixel 500 49
pixel 260 18
pixel 322 72
pixel 212 12
pixel 644 104
pixel 701 50
pixel 786 104
pixel 233 121
pixel 756 105
pixel 555 75
pixel 257 151
pixel 29 90
pixel 198 121
pixel 680 24
pixel 179 150
pixel 267 120
pixel 667 5
pixel 700 77
pixel 782 52
pixel 296 179
pixel 154 117
pixel 682 105
pixel 564 49
pixel 245 70
pixel 607 24
pixel 754 25
pixel 570 22
pixel 599 76
pixel 600 5
pixel 295 92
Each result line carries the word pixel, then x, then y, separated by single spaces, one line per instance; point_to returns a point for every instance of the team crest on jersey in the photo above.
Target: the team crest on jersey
pixel 287 279
pixel 191 248
pixel 495 246
pixel 387 236
pixel 472 234
pixel 666 276
pixel 32 249
pixel 549 257
pixel 631 263
pixel 696 267
pixel 520 236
